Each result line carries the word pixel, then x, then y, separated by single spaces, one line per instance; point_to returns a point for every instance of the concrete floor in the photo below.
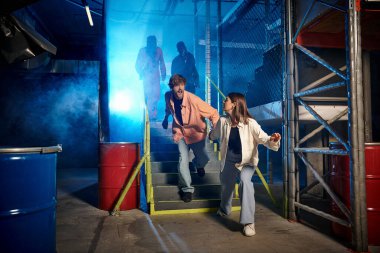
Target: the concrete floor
pixel 82 227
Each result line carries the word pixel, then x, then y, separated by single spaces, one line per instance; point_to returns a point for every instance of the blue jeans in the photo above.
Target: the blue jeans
pixel 228 178
pixel 200 160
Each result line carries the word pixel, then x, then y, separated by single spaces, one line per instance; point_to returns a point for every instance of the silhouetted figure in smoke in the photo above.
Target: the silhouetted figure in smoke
pixel 184 64
pixel 149 64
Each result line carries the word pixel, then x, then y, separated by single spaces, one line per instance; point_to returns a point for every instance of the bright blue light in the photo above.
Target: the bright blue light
pixel 120 103
pixel 126 95
pixel 126 92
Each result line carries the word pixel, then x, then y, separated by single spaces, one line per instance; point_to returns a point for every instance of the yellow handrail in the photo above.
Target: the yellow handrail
pixel 126 188
pixel 148 171
pixel 257 168
pixel 216 87
pixel 266 186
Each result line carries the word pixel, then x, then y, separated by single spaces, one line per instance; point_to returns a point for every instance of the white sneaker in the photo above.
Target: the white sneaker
pixel 249 229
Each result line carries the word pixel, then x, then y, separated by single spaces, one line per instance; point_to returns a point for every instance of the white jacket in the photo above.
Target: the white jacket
pixel 251 135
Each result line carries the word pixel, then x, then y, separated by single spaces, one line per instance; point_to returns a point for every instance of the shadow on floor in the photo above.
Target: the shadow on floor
pixel 262 197
pixel 311 220
pixel 321 224
pixel 227 222
pixel 95 240
pixel 88 195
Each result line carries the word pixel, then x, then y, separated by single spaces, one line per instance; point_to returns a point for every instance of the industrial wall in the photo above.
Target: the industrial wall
pixel 45 109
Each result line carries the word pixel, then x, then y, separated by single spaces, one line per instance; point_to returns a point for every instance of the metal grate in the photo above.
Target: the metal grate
pixel 253 58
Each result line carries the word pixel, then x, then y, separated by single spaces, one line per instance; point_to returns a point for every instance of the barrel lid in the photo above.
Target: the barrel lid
pixel 372 144
pixel 41 150
pixel 121 143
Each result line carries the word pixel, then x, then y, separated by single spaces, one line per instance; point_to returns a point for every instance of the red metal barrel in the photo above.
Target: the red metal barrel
pixel 340 183
pixel 372 165
pixel 117 161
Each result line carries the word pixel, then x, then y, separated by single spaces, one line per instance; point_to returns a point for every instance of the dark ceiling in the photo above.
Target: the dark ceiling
pixel 65 24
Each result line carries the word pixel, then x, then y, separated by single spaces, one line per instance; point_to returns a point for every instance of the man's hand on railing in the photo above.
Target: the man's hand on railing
pixel 165 123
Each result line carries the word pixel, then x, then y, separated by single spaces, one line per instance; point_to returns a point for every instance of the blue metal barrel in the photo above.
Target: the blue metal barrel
pixel 28 199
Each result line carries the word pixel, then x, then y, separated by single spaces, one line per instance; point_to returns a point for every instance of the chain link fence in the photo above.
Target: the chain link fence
pixel 252 52
pixel 256 53
pixel 253 63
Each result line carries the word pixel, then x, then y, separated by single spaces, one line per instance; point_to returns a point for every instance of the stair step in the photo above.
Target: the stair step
pixel 171 192
pixel 170 147
pixel 161 140
pixel 164 163
pixel 172 178
pixel 158 125
pixel 173 156
pixel 161 132
pixel 195 204
pixel 168 139
pixel 171 166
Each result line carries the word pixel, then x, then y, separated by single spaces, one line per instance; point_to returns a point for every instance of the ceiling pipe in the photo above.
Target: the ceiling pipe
pixel 238 10
pixel 231 12
pixel 81 6
pixel 87 8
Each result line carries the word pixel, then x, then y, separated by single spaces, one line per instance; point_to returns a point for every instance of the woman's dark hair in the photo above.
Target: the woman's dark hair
pixel 176 79
pixel 240 112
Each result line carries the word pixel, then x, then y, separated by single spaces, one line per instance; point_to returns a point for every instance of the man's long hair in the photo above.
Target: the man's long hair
pixel 176 79
pixel 240 113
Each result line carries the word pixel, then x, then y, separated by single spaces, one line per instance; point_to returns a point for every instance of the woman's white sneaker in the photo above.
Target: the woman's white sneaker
pixel 249 229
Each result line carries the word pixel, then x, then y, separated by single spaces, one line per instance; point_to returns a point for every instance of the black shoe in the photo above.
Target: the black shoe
pixel 186 196
pixel 201 172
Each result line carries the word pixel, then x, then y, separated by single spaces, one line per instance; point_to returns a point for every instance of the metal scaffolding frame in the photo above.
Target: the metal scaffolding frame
pixel 356 216
pixel 208 52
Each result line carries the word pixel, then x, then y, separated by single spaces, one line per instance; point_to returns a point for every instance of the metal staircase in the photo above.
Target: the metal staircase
pixel 164 161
